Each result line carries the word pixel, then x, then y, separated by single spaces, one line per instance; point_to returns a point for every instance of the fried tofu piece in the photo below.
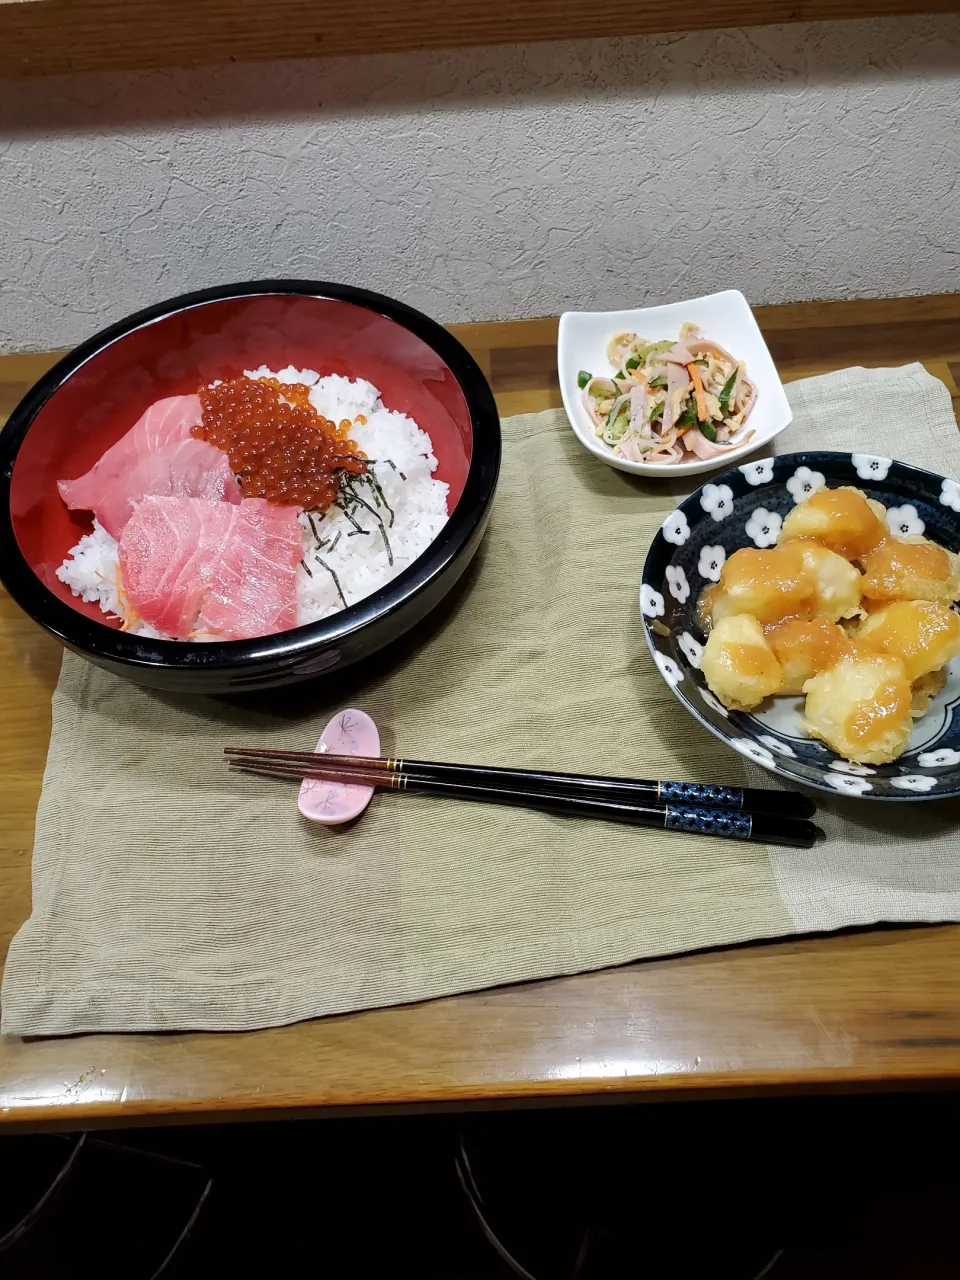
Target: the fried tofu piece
pixel 769 585
pixel 923 634
pixel 836 582
pixel 861 707
pixel 911 569
pixel 843 520
pixel 805 647
pixel 925 690
pixel 739 664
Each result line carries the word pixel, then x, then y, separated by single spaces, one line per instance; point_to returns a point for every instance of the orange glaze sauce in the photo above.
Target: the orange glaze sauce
pixel 818 643
pixel 894 569
pixel 805 648
pixel 869 721
pixel 769 585
pixel 279 447
pixel 850 527
pixel 750 660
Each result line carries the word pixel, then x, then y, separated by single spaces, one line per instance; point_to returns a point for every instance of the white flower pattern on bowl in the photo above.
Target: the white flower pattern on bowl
pixel 758 472
pixel 755 752
pixel 669 669
pixel 938 759
pixel 804 482
pixel 691 649
pixel 651 602
pixel 869 467
pixel 847 766
pixel 712 701
pixel 850 786
pixel 711 562
pixel 717 500
pixel 777 744
pixel 763 527
pixel 676 529
pixel 950 494
pixel 904 520
pixel 677 583
pixel 914 782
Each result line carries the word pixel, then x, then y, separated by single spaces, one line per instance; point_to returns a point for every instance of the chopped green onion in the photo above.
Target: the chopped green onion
pixel 666 345
pixel 617 409
pixel 583 378
pixel 689 416
pixel 618 420
pixel 724 397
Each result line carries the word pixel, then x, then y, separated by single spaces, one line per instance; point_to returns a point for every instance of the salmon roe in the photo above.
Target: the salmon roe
pixel 279 447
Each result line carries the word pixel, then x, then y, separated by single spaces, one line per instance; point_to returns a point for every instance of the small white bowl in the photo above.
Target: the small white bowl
pixel 725 317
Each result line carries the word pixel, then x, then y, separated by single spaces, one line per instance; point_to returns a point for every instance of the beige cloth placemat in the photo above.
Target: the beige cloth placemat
pixel 168 894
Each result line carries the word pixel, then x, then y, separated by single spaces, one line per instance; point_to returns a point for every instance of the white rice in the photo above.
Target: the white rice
pixel 350 553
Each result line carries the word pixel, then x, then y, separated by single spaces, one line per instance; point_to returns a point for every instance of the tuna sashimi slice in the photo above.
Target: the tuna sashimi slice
pixel 254 591
pixel 170 552
pixel 163 423
pixel 186 468
pixel 194 566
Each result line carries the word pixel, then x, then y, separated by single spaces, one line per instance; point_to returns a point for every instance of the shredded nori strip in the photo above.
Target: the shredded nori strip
pixel 336 540
pixel 348 512
pixel 336 580
pixel 375 485
pixel 396 468
pixel 307 567
pixel 316 535
pixel 379 518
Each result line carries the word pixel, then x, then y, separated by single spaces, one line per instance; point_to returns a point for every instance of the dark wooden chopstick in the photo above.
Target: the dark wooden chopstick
pixel 728 823
pixel 745 799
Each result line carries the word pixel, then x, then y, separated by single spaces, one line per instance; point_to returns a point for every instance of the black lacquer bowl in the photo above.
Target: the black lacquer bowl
pixel 97 392
pixel 745 507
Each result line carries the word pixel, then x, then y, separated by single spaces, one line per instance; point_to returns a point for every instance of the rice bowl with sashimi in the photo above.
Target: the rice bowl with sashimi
pixel 195 553
pixel 259 504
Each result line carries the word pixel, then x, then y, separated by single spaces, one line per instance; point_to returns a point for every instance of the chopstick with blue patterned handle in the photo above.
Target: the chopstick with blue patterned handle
pixel 732 824
pixel 787 804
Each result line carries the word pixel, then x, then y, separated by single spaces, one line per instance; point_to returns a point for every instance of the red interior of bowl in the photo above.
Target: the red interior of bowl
pixel 102 400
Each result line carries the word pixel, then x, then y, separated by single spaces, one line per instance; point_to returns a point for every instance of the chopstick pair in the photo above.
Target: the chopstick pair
pixel 775 817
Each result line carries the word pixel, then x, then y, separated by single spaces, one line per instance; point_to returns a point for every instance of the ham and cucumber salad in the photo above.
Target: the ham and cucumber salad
pixel 669 401
pixel 258 504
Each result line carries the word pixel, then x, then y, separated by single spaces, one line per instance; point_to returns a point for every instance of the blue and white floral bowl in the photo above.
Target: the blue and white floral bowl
pixel 745 507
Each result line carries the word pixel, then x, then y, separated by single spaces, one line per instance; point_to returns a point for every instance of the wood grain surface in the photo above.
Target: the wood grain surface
pixel 96 35
pixel 864 1009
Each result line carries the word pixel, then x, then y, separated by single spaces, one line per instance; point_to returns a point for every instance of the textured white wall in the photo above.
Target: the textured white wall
pixel 794 162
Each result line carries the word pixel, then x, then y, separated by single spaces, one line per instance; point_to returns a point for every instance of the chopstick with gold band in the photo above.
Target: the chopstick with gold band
pixel 792 804
pixel 728 823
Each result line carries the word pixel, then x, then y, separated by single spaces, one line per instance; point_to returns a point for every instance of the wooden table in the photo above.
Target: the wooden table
pixel 860 1010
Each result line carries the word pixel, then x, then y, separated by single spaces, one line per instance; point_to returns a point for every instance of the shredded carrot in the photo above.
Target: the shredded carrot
pixel 694 373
